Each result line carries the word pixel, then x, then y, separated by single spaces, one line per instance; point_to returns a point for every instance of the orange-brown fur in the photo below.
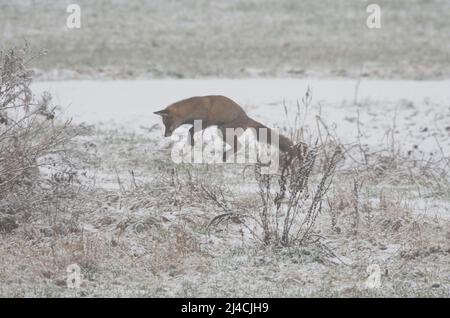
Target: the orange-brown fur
pixel 214 110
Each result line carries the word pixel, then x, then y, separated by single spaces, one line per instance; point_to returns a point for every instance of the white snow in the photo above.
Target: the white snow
pixel 415 115
pixel 132 102
pixel 418 111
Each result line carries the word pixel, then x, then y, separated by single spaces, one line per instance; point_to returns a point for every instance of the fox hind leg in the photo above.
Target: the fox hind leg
pixel 191 136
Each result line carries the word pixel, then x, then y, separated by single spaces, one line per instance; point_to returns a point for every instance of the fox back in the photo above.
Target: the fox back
pixel 211 110
pixel 220 111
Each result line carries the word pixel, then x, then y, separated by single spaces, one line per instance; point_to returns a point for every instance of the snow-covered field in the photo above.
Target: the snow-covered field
pixel 142 228
pixel 418 111
pixel 138 224
pixel 232 39
pixel 126 102
pixel 413 116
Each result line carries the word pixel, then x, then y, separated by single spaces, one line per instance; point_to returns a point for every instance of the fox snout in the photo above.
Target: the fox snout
pixel 167 121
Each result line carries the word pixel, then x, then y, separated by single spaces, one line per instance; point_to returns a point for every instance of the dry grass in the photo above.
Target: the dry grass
pixel 37 167
pixel 235 38
pixel 153 237
pixel 151 228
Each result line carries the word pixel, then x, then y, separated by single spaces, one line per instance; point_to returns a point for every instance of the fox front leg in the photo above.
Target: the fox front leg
pixel 191 136
pixel 198 126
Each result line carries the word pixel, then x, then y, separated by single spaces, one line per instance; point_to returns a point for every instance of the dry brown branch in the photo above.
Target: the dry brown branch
pixel 36 170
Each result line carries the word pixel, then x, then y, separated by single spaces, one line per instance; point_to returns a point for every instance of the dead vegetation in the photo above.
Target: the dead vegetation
pixel 37 169
pixel 147 227
pixel 188 230
pixel 288 206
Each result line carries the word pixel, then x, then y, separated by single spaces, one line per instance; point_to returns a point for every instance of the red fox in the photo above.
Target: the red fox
pixel 220 111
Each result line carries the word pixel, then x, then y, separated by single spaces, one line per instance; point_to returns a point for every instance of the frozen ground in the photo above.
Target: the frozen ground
pixel 138 225
pixel 418 111
pixel 234 38
pixel 142 228
pixel 411 116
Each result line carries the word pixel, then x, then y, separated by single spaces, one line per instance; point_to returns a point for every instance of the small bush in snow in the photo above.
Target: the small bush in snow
pixel 31 143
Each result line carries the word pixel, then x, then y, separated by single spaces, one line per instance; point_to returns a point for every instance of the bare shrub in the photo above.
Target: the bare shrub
pixel 291 200
pixel 289 214
pixel 35 169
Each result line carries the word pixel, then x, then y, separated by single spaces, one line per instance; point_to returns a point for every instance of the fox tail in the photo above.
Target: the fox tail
pixel 284 143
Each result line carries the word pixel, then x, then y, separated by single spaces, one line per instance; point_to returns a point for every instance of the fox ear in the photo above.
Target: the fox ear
pixel 162 113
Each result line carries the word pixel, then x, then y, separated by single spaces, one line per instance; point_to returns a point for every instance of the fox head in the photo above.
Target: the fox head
pixel 169 120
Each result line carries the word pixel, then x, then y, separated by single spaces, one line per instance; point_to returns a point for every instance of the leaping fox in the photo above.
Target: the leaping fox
pixel 220 111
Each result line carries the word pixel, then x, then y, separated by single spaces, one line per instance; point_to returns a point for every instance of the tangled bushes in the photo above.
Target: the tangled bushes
pixel 289 213
pixel 33 145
